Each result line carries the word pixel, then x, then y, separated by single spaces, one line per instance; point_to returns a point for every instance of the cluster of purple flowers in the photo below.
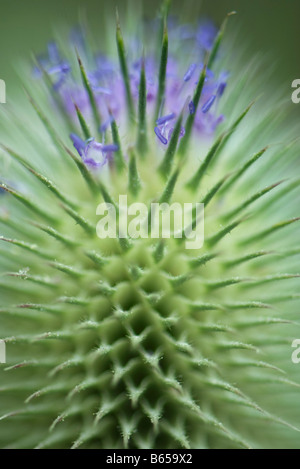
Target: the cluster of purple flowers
pixel 107 85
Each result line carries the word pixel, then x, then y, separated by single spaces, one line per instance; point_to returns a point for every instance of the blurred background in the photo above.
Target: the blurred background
pixel 270 26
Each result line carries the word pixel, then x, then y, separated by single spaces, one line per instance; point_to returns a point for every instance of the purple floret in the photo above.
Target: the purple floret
pixel 164 119
pixel 206 34
pixel 208 104
pixel 78 143
pixel 191 107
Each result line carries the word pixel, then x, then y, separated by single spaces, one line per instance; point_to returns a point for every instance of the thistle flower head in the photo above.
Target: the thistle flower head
pixel 139 342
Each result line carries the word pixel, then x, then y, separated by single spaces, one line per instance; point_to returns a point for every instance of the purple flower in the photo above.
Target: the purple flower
pixel 164 119
pixel 189 73
pixel 54 65
pixel 106 124
pixel 107 85
pixel 221 88
pixel 93 154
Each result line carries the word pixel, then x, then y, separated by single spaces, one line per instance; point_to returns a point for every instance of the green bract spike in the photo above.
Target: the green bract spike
pixel 194 182
pixel 162 73
pixel 250 200
pixel 191 118
pixel 166 165
pixel 217 41
pixel 41 213
pixel 268 231
pixel 169 189
pixel 119 159
pixel 84 127
pixel 87 226
pixel 124 68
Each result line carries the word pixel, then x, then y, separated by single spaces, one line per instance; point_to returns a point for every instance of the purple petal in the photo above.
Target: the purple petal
pixel 78 143
pixel 101 90
pixel 206 34
pixel 54 69
pixel 160 136
pixel 53 52
pixel 164 119
pixel 59 83
pixel 77 38
pixel 110 147
pixel 106 124
pixel 92 163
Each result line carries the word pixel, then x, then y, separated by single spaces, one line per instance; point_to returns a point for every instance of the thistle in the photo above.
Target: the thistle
pixel 142 343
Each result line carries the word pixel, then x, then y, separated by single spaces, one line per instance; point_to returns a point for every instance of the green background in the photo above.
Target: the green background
pixel 270 25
